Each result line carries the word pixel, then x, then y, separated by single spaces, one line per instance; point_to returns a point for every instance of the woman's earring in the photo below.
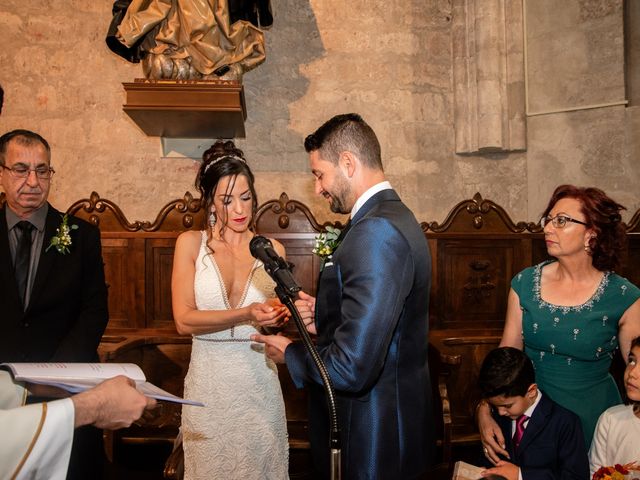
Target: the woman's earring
pixel 587 247
pixel 212 219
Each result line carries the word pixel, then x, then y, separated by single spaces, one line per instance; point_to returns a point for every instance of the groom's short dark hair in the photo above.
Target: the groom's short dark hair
pixel 346 132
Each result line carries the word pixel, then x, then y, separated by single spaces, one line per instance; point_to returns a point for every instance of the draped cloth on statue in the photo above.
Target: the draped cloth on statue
pixel 194 38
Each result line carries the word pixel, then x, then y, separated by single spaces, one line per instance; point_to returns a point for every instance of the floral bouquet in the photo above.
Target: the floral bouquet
pixel 617 472
pixel 326 243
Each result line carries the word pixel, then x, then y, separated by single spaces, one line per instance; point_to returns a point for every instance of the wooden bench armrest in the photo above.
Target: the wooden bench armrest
pixel 113 346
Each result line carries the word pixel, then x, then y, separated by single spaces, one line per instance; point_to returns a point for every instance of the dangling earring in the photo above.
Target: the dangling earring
pixel 587 247
pixel 212 219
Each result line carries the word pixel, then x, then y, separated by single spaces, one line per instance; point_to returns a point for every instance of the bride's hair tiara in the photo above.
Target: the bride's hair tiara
pixel 223 157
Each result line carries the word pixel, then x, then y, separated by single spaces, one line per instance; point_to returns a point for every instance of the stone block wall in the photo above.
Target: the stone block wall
pixel 389 60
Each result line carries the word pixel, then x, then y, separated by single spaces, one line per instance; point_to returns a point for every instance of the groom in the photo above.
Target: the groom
pixel 370 314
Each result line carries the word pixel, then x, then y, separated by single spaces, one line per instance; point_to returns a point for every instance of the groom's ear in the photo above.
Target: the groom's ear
pixel 347 162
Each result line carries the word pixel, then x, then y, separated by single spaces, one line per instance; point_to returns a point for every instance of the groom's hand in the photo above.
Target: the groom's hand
pixel 306 305
pixel 274 345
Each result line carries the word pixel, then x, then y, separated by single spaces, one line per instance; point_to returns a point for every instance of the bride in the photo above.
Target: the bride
pixel 221 295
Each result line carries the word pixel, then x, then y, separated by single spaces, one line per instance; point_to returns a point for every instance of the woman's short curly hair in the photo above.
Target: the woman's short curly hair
pixel 602 215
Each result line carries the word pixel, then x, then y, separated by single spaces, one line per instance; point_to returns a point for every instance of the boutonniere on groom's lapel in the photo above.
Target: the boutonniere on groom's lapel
pixel 62 239
pixel 326 244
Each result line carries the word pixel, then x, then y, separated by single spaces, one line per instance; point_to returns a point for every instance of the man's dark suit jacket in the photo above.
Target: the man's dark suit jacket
pixel 372 321
pixel 552 446
pixel 67 313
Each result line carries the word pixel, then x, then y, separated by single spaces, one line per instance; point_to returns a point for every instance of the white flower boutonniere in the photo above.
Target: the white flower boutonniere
pixel 326 243
pixel 62 239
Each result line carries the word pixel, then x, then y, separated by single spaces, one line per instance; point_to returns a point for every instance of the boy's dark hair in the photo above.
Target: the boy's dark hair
pixel 506 371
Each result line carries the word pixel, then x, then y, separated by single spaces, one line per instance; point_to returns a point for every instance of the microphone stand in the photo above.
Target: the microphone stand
pixel 286 297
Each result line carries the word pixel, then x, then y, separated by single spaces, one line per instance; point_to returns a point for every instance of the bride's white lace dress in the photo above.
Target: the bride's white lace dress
pixel 241 433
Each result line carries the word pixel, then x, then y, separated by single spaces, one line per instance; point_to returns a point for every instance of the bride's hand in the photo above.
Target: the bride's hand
pixel 269 314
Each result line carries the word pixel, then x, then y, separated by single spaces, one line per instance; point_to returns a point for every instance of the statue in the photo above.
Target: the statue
pixel 191 39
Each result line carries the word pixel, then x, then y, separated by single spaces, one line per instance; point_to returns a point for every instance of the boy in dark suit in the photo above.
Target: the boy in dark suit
pixel 544 440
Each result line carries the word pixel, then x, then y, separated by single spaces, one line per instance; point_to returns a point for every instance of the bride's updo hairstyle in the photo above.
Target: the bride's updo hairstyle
pixel 222 159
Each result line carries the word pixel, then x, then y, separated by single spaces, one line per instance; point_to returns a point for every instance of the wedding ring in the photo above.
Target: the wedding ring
pixel 485 450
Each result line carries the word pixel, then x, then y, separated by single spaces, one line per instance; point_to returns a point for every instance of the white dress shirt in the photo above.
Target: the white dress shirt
pixel 378 187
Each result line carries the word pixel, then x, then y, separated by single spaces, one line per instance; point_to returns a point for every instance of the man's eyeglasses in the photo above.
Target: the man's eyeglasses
pixel 559 221
pixel 22 171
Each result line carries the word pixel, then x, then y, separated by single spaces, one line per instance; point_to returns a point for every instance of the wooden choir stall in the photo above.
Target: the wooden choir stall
pixel 475 252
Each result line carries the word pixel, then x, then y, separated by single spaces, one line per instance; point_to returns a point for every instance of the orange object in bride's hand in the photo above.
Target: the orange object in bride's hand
pixel 281 320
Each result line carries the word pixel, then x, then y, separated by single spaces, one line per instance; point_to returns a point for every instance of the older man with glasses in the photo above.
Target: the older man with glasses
pixel 53 295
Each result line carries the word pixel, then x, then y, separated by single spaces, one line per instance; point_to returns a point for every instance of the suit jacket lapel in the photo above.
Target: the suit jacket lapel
pixel 382 196
pixel 536 423
pixel 47 259
pixel 6 266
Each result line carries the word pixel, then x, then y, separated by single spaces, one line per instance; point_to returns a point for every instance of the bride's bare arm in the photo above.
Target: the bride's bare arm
pixel 190 320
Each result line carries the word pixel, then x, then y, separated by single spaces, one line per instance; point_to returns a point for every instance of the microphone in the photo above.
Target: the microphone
pixel 276 266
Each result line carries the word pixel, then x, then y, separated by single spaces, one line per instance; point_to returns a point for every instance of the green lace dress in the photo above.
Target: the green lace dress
pixel 572 347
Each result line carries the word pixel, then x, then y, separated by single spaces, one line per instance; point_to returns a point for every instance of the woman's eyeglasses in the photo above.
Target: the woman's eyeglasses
pixel 559 221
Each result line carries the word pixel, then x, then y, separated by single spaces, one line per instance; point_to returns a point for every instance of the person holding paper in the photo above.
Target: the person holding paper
pixel 38 443
pixel 221 295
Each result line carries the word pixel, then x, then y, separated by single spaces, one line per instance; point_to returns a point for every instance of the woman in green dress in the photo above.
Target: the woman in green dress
pixel 571 314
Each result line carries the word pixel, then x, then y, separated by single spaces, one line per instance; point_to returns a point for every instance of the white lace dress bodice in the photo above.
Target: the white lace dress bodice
pixel 241 432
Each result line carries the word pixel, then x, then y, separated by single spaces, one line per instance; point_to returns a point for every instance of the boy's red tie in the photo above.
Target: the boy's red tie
pixel 517 436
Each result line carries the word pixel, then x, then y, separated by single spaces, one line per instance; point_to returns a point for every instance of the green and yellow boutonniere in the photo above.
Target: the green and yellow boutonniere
pixel 62 239
pixel 326 243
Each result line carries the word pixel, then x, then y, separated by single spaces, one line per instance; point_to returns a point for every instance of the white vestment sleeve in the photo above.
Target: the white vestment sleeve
pixel 35 440
pixel 49 457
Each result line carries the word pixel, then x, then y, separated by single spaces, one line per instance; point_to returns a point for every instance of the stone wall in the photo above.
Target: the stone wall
pixel 390 60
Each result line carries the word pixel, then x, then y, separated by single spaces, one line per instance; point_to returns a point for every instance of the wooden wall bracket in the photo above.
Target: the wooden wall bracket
pixel 187 108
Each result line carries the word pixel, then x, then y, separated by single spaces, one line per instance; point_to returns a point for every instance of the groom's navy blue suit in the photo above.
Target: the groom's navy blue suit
pixel 371 315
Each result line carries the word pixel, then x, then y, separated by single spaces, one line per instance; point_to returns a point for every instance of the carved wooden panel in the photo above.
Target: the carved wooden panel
pixel 121 265
pixel 474 280
pixel 475 253
pixel 159 264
